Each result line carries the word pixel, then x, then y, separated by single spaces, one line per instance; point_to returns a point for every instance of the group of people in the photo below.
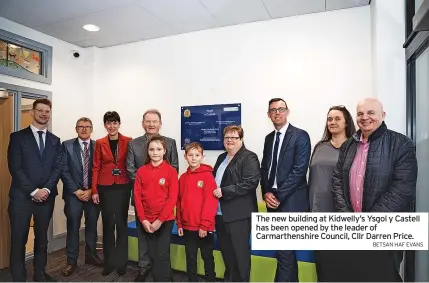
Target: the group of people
pixel 373 169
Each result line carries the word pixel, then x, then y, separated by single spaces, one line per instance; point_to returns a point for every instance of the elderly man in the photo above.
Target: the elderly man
pixel 137 154
pixel 376 172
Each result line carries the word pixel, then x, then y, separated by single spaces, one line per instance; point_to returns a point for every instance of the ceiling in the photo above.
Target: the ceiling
pixel 125 21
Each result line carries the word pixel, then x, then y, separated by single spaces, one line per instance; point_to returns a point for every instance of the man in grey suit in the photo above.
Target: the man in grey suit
pixel 76 176
pixel 136 158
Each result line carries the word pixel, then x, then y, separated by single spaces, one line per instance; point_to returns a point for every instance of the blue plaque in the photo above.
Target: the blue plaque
pixel 205 124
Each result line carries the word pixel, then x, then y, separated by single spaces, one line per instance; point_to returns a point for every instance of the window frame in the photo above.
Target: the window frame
pixel 46 58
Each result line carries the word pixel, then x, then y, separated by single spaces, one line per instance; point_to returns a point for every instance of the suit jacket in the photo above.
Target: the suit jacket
pixel 137 154
pixel 72 175
pixel 238 185
pixel 29 170
pixel 292 165
pixel 104 163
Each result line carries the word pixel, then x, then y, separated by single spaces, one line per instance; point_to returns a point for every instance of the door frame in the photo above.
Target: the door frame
pixel 31 93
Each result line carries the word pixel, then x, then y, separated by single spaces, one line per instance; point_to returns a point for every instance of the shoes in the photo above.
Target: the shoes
pixel 43 277
pixel 121 271
pixel 69 270
pixel 93 260
pixel 143 273
pixel 107 271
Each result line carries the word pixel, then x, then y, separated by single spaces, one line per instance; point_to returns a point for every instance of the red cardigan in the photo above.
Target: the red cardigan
pixel 155 192
pixel 104 163
pixel 196 205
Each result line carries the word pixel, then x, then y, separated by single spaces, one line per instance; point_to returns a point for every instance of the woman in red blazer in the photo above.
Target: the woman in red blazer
pixel 111 188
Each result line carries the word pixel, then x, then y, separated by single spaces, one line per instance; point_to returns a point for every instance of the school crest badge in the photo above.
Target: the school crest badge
pixel 162 181
pixel 200 184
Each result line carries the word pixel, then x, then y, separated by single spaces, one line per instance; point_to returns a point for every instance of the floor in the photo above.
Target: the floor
pixel 84 273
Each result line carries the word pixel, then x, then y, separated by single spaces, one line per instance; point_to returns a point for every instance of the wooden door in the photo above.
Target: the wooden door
pixel 6 127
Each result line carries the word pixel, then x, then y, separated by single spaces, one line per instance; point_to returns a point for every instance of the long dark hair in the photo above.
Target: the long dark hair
pixel 164 145
pixel 350 125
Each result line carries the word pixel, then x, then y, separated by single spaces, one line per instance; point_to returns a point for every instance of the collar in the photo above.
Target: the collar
pixel 156 167
pixel 283 129
pixel 35 130
pixel 81 141
pixel 375 135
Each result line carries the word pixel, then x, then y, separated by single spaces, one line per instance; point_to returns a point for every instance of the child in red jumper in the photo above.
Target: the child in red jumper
pixel 196 211
pixel 155 194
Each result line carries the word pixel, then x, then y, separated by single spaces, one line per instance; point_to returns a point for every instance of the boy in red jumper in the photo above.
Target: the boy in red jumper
pixel 196 211
pixel 155 193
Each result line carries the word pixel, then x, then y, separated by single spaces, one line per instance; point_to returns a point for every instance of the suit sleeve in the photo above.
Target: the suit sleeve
pixel 131 164
pixel 210 204
pixel 70 185
pixel 300 167
pixel 174 156
pixel 402 190
pixel 138 186
pixel 249 179
pixel 96 166
pixel 171 201
pixel 264 172
pixel 15 158
pixel 337 183
pixel 178 207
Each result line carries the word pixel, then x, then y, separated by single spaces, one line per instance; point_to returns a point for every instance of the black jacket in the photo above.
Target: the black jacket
pixel 238 185
pixel 390 176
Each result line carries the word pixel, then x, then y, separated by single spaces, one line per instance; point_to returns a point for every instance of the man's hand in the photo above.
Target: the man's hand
pixel 96 198
pixel 80 194
pixel 41 195
pixel 87 195
pixel 202 233
pixel 271 200
pixel 180 232
pixel 217 193
pixel 147 226
pixel 155 225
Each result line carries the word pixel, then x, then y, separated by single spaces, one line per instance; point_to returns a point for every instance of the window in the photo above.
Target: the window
pixel 25 58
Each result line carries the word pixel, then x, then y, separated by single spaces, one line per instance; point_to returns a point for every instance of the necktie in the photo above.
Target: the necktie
pixel 41 143
pixel 274 161
pixel 85 164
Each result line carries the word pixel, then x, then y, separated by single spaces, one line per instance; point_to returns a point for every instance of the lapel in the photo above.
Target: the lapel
pixel 286 139
pixel 143 147
pixel 91 154
pixel 121 145
pixel 32 140
pixel 77 151
pixel 233 161
pixel 269 149
pixel 107 148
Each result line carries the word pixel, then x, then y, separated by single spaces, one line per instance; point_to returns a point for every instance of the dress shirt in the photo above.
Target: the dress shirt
pixel 36 136
pixel 282 136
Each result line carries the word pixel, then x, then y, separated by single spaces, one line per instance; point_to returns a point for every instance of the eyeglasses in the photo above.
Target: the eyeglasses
pixel 280 109
pixel 84 127
pixel 231 138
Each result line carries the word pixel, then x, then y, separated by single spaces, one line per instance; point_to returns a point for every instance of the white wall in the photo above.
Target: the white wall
pixel 389 64
pixel 312 61
pixel 72 85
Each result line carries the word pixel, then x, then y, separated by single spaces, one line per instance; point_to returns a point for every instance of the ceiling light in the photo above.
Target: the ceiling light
pixel 91 27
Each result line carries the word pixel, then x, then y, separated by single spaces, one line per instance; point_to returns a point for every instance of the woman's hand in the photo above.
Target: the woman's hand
pixel 202 233
pixel 147 226
pixel 96 199
pixel 180 232
pixel 155 225
pixel 217 193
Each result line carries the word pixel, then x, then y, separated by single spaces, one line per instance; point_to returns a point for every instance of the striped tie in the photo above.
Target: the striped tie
pixel 85 165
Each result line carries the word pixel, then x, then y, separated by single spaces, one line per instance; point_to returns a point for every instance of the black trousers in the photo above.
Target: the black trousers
pixel 143 252
pixel 235 248
pixel 73 209
pixel 358 266
pixel 192 243
pixel 114 201
pixel 159 251
pixel 20 212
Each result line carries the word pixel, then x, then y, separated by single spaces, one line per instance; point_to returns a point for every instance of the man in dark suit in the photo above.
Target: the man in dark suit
pixel 35 163
pixel 283 176
pixel 137 155
pixel 78 154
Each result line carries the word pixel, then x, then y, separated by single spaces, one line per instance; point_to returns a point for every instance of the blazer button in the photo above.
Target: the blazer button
pixel 41 178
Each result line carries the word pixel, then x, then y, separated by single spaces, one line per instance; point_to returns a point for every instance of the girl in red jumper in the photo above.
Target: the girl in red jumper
pixel 195 212
pixel 155 193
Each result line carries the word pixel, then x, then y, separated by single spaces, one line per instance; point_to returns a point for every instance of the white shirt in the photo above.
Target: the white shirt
pixel 82 146
pixel 36 136
pixel 281 138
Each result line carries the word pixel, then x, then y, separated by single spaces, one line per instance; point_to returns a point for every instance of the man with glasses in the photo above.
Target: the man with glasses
pixel 136 158
pixel 77 174
pixel 35 163
pixel 283 176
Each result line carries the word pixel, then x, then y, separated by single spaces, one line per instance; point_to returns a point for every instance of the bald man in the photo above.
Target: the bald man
pixel 376 172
